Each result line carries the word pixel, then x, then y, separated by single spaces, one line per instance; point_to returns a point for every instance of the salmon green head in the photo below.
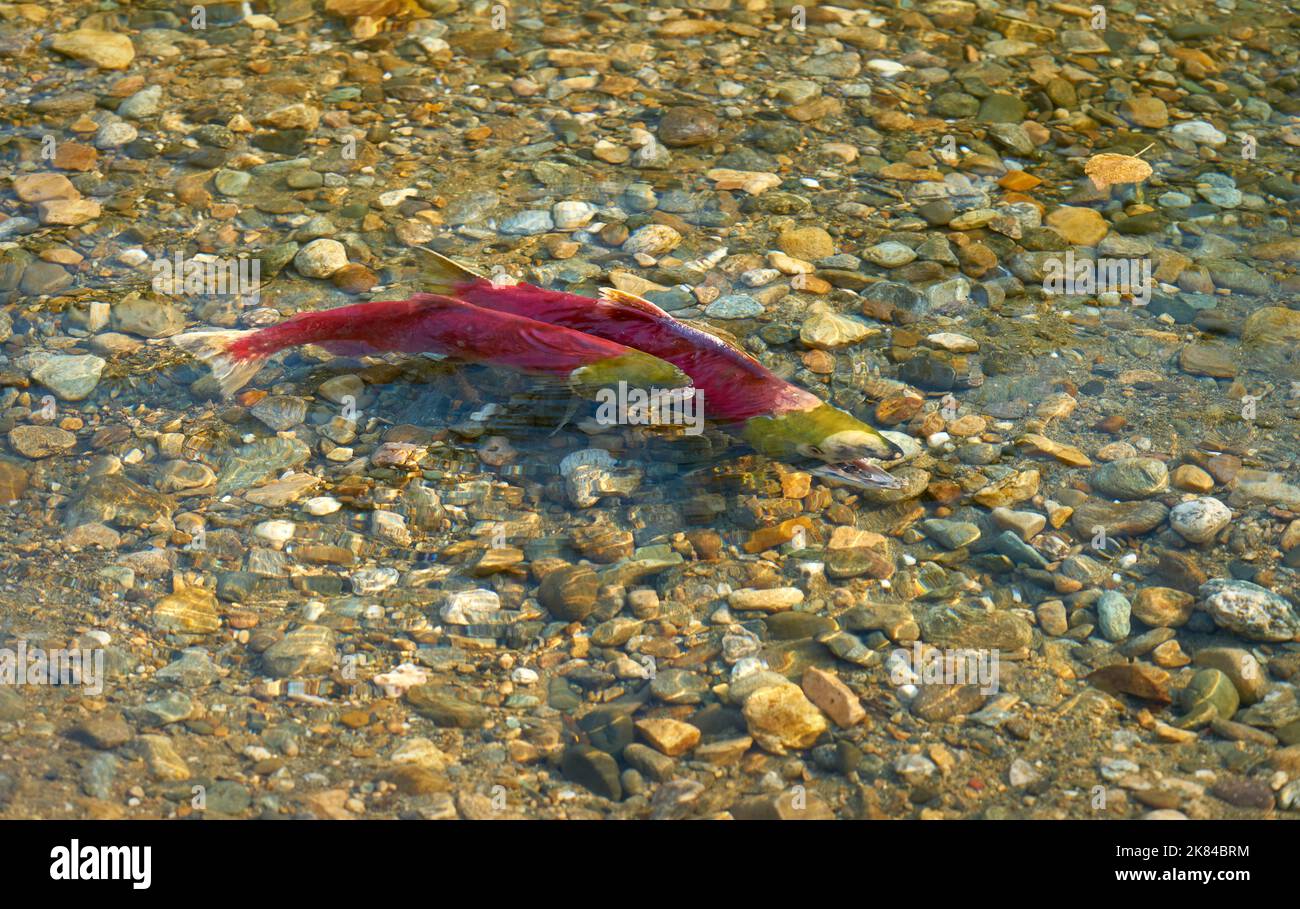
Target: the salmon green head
pixel 636 368
pixel 838 444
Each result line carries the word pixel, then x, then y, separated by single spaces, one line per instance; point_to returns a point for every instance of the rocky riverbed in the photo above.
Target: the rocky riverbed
pixel 398 587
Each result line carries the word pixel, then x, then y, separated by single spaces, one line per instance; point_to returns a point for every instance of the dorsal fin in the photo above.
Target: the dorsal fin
pixel 449 268
pixel 631 300
pixel 623 298
pixel 726 337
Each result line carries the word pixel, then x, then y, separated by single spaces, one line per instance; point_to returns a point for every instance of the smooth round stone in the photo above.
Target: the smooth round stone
pixel 470 607
pixel 1256 613
pixel 1163 607
pixel 321 505
pixel 304 179
pixel 471 208
pixel 275 531
pixel 825 329
pixel 685 126
pixel 652 240
pixel 979 453
pixel 1017 550
pixel 144 103
pixel 1213 687
pixel 950 534
pixel 95 47
pixel 1199 520
pixel 955 105
pixel 1002 108
pixel 320 258
pixel 1200 132
pixel 807 243
pixel 1130 478
pixel 40 441
pixel 1239 665
pixel 528 223
pixel 890 254
pixel 280 412
pixel 734 306
pixel 856 562
pixel 570 215
pixel 1192 478
pixel 678 686
pixel 1113 613
pixel 593 769
pixel 115 134
pixel 374 580
pixel 71 378
pixel 1223 197
pixel 232 182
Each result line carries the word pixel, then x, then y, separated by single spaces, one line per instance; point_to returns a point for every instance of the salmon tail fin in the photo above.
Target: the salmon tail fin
pixel 232 369
pixel 445 275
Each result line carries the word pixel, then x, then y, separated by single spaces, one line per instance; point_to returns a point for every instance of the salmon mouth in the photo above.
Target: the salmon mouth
pixel 860 472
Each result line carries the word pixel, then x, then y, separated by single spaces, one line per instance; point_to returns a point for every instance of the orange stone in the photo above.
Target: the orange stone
pixel 1018 181
pixel 770 537
pixel 810 284
pixel 835 698
pixel 75 156
pixel 898 408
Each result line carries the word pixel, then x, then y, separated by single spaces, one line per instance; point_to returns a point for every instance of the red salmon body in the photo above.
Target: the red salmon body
pixel 735 386
pixel 431 323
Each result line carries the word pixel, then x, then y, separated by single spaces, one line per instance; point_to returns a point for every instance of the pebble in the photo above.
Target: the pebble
pixel 38 442
pixel 774 599
pixel 95 47
pixel 1254 612
pixel 1113 611
pixel 652 240
pixel 890 254
pixel 1131 478
pixel 1199 520
pixel 807 243
pixel 320 258
pixel 780 717
pixel 1163 607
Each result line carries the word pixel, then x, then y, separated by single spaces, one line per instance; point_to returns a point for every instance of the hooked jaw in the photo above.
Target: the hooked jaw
pixel 860 472
pixel 850 456
pixel 829 443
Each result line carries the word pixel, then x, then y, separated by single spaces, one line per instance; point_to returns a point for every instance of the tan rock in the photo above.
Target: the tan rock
pixel 1163 607
pixel 67 212
pixel 825 329
pixel 106 50
pixel 190 610
pixel 35 188
pixel 810 243
pixel 1208 360
pixel 773 599
pixel 834 697
pixel 1079 226
pixel 1066 454
pixel 753 182
pixel 1272 325
pixel 668 736
pixel 724 751
pixel 780 717
pixel 1017 487
pixel 1191 478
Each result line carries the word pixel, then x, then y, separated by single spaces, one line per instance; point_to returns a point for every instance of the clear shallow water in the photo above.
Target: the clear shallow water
pixel 405 557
